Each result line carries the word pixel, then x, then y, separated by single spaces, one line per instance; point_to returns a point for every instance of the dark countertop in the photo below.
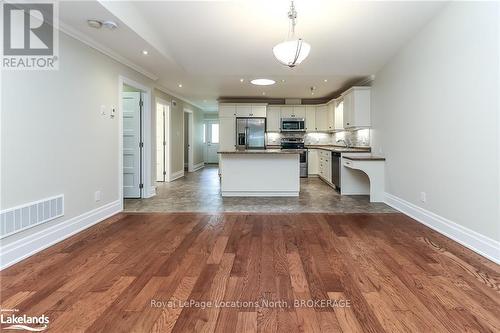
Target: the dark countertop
pixel 262 151
pixel 365 158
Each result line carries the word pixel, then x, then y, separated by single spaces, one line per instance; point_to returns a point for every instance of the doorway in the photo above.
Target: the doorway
pixel 188 140
pixel 162 141
pixel 211 141
pixel 134 116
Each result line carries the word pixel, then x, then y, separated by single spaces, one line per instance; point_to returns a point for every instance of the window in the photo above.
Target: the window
pixel 215 133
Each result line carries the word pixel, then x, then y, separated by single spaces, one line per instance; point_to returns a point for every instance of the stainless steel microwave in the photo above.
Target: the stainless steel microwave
pixel 293 125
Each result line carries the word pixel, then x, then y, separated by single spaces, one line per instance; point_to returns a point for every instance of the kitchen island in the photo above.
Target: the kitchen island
pixel 260 173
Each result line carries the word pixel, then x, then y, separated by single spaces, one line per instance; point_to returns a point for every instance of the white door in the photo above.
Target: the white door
pixel 212 141
pixel 131 144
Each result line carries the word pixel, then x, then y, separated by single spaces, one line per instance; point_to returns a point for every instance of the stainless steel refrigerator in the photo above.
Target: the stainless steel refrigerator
pixel 250 133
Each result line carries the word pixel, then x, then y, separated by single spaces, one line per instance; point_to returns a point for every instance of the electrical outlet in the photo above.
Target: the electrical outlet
pixel 423 196
pixel 97 196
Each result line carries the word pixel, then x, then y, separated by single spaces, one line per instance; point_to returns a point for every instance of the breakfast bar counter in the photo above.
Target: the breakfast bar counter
pixel 260 173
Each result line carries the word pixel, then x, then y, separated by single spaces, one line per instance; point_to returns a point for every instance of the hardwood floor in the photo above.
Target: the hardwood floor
pixel 366 272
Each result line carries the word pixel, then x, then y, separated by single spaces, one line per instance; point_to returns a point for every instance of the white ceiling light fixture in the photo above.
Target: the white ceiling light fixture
pixel 263 82
pixel 111 25
pixel 96 24
pixel 145 52
pixel 293 50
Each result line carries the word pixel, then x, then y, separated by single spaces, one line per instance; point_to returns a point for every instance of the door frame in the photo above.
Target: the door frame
pixel 148 190
pixel 190 136
pixel 168 150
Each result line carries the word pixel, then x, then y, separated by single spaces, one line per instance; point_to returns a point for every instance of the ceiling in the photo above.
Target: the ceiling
pixel 209 46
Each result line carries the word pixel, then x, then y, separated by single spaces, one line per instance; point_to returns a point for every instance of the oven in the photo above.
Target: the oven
pixel 297 143
pixel 293 125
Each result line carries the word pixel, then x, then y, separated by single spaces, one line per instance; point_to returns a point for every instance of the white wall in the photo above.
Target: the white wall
pixel 54 139
pixel 435 110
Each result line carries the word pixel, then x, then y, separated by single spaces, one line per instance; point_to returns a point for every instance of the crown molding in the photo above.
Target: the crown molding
pixel 103 49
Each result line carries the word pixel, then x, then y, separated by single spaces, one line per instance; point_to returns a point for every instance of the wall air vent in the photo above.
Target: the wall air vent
pixel 16 219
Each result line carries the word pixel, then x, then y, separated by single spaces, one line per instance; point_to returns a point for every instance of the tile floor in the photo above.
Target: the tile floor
pixel 200 192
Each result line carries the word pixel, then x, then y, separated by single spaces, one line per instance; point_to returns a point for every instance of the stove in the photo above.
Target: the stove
pixel 297 143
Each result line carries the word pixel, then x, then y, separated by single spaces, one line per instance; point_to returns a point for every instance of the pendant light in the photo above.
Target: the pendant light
pixel 293 50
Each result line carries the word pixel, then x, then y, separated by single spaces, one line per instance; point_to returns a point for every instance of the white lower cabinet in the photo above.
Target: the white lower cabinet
pixel 325 165
pixel 312 162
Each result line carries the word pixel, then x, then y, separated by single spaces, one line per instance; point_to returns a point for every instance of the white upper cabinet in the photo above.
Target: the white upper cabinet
pixel 286 111
pixel 356 107
pixel 243 110
pixel 339 115
pixel 322 118
pixel 310 118
pixel 227 133
pixel 259 111
pixel 227 110
pixel 331 115
pixel 273 122
pixel 251 110
pixel 299 111
pixel 296 111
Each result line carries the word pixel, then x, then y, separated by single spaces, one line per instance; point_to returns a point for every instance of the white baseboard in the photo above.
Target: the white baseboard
pixel 260 193
pixel 176 175
pixel 151 192
pixel 26 247
pixel 198 166
pixel 471 239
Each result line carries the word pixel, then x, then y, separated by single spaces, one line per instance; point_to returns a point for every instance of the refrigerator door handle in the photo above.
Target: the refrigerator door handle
pixel 246 137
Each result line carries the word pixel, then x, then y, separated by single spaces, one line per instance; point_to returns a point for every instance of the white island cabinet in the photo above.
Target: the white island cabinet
pixel 260 173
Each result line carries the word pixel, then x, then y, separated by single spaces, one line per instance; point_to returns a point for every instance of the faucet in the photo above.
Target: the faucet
pixel 344 141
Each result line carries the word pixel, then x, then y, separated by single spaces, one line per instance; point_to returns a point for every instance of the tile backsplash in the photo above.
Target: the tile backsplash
pixel 355 138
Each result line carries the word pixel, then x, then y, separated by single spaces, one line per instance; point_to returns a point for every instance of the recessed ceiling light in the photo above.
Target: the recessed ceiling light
pixel 145 52
pixel 180 85
pixel 326 80
pixel 263 82
pixel 283 80
pixel 96 24
pixel 241 80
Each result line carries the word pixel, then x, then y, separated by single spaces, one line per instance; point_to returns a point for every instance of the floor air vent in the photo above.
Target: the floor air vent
pixel 19 218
